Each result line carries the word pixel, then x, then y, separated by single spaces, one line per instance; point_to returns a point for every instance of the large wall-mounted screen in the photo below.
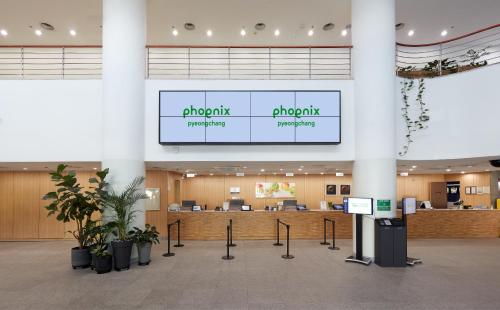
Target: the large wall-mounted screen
pixel 249 117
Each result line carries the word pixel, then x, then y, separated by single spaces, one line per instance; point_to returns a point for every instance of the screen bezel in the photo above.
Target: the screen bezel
pixel 371 202
pixel 252 143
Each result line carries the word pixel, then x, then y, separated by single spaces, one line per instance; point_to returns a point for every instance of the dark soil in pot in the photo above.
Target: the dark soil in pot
pixel 121 253
pixel 80 258
pixel 103 264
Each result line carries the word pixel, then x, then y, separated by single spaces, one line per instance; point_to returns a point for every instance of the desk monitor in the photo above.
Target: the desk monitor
pixel 188 203
pixel 410 205
pixel 235 204
pixel 196 208
pixel 246 208
pixel 360 206
pixel 287 203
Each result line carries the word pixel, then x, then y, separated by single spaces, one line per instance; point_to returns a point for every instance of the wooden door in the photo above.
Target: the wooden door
pixel 439 198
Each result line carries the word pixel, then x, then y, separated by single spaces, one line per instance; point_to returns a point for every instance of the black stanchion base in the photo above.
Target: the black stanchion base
pixel 410 261
pixel 168 254
pixel 325 243
pixel 364 260
pixel 287 256
pixel 278 244
pixel 228 257
pixel 333 248
pixel 178 245
pixel 232 244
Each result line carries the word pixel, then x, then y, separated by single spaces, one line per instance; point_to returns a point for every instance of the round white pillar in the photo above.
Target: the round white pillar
pixel 373 54
pixel 123 68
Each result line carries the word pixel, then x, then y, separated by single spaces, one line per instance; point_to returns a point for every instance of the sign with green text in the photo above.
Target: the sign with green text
pixel 383 205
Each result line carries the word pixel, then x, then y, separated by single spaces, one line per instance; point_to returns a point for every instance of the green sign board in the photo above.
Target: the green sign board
pixel 383 205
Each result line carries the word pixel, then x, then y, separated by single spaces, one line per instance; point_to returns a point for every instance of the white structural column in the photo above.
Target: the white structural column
pixel 123 41
pixel 374 171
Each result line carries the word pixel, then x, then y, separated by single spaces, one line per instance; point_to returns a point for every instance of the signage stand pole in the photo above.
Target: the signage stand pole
pixel 358 257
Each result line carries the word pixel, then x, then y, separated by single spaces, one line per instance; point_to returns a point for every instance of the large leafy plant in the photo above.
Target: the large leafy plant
pixel 71 202
pixel 149 234
pixel 99 234
pixel 121 207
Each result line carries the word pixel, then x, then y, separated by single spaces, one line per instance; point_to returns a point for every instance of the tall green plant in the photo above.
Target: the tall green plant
pixel 121 207
pixel 99 233
pixel 72 203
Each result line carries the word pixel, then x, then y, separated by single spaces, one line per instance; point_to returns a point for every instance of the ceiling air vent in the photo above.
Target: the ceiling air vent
pixel 400 26
pixel 189 26
pixel 260 26
pixel 328 27
pixel 47 26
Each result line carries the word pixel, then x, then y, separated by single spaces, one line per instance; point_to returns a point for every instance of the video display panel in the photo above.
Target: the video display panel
pixel 249 117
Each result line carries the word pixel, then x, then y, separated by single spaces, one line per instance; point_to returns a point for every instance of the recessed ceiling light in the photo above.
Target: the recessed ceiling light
pixel 444 33
pixel 404 174
pixel 300 169
pixel 487 170
pixel 310 32
pixel 462 172
pixel 274 173
pixel 4 32
pixel 448 170
pixel 72 32
pixel 276 32
pixel 306 173
pixel 411 33
pixel 414 167
pixel 344 32
pixel 211 174
pixel 244 167
pixel 262 170
pixel 209 33
pixel 260 26
pixel 94 168
pixel 243 32
pixel 25 168
pixel 38 32
pixel 175 32
pixel 322 173
pixel 328 27
pixel 189 26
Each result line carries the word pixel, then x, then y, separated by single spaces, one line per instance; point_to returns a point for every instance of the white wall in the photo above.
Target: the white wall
pixel 42 120
pixel 464 116
pixel 156 152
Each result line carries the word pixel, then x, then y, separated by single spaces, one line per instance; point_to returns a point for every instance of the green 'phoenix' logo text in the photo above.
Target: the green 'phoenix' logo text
pixel 296 112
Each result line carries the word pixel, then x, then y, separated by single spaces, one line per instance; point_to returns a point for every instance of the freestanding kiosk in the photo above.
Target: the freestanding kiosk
pixel 409 207
pixel 360 207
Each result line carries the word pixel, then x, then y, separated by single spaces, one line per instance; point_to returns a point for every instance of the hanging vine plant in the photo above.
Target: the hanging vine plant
pixel 413 125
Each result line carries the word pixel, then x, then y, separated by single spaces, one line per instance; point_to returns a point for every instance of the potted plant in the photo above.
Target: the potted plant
pixel 102 260
pixel 71 202
pixel 144 239
pixel 121 209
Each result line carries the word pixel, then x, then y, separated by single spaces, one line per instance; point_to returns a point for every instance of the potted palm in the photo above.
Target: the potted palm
pixel 121 213
pixel 101 258
pixel 144 239
pixel 71 202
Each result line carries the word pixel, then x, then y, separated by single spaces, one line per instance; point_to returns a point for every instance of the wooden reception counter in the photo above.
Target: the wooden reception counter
pixel 211 225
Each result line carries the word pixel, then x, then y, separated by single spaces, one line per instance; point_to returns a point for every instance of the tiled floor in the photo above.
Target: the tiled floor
pixel 456 274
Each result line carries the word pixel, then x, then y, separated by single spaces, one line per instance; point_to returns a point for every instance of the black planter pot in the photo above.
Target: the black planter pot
pixel 80 258
pixel 121 253
pixel 103 264
pixel 92 256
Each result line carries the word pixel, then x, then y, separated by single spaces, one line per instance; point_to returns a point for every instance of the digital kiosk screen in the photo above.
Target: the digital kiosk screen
pixel 409 205
pixel 249 117
pixel 359 206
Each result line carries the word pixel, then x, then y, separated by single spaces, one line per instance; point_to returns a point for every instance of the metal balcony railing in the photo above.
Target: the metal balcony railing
pixel 473 50
pixel 178 62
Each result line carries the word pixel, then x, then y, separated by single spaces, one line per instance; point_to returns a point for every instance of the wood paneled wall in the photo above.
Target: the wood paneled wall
pixel 472 179
pixel 213 190
pixel 417 185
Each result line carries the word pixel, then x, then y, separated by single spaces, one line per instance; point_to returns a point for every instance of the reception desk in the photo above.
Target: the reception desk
pixel 438 224
pixel 211 225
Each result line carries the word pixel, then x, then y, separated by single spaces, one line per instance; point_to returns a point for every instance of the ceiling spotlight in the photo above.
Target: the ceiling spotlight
pixel 243 32
pixel 487 170
pixel 94 168
pixel 344 32
pixel 462 172
pixel 322 173
pixel 4 32
pixel 448 170
pixel 209 33
pixel 274 173
pixel 262 170
pixel 175 32
pixel 47 26
pixel 300 169
pixel 404 174
pixel 310 32
pixel 444 33
pixel 411 33
pixel 38 32
pixel 72 32
pixel 414 167
pixel 25 168
pixel 306 173
pixel 211 174
pixel 276 32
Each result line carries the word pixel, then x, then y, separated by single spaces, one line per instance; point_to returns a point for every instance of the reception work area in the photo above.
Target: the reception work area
pixel 231 154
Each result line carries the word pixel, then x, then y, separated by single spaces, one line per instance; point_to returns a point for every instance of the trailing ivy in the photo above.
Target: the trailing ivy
pixel 407 85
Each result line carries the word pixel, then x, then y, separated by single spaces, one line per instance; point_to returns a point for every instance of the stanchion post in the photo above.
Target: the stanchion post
pixel 287 256
pixel 168 254
pixel 278 243
pixel 324 233
pixel 231 233
pixel 178 245
pixel 227 256
pixel 333 247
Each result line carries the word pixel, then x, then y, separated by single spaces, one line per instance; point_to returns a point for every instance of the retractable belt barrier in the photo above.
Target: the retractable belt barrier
pixel 278 243
pixel 178 223
pixel 333 247
pixel 229 241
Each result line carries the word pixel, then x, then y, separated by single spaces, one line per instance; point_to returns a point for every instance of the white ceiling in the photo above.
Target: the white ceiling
pixel 253 168
pixel 226 18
